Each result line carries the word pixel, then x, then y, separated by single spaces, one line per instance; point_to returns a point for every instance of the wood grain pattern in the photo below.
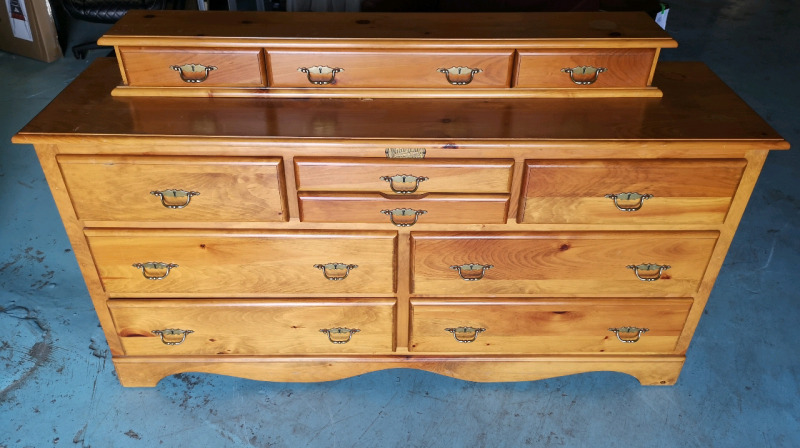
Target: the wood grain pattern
pixel 234 67
pixel 438 208
pixel 624 67
pixel 395 69
pixel 684 191
pixel 254 327
pixel 243 264
pixel 547 326
pixel 231 189
pixel 454 175
pixel 574 264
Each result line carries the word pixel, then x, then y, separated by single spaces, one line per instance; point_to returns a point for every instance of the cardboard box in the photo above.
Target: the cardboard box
pixel 27 28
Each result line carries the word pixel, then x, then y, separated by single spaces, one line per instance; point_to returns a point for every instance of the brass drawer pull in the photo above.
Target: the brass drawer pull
pixel 335 267
pixel 467 271
pixel 636 197
pixel 184 195
pixel 336 335
pixel 193 73
pixel 404 179
pixel 403 213
pixel 172 332
pixel 586 74
pixel 470 332
pixel 629 331
pixel 459 76
pixel 155 266
pixel 320 74
pixel 637 269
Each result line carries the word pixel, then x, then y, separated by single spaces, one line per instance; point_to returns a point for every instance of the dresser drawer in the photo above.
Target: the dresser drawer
pixel 192 67
pixel 579 263
pixel 547 326
pixel 619 67
pixel 242 263
pixel 175 189
pixel 408 69
pixel 429 209
pixel 403 176
pixel 630 191
pixel 253 327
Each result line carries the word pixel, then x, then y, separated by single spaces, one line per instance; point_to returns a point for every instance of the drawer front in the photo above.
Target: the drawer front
pixel 546 326
pixel 411 69
pixel 623 67
pixel 182 67
pixel 254 327
pixel 403 176
pixel 571 263
pixel 430 209
pixel 175 189
pixel 598 191
pixel 242 263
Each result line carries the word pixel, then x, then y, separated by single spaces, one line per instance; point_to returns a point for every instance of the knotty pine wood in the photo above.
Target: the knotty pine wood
pixel 254 327
pixel 545 326
pixel 574 264
pixel 624 67
pixel 230 189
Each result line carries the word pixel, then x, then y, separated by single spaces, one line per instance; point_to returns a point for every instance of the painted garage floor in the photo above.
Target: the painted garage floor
pixel 740 386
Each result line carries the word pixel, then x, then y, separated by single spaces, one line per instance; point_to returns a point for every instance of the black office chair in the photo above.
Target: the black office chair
pixel 103 11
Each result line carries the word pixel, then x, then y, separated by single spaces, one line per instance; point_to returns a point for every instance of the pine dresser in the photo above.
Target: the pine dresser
pixel 315 232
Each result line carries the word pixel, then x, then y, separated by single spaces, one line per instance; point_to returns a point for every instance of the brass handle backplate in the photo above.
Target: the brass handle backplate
pixel 459 76
pixel 404 215
pixel 320 74
pixel 325 268
pixel 150 266
pixel 640 269
pixel 469 334
pixel 193 73
pixel 621 333
pixel 404 183
pixel 167 197
pixel 337 335
pixel 629 202
pixel 584 75
pixel 471 272
pixel 172 332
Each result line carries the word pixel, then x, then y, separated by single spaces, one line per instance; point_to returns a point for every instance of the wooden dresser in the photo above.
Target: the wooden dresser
pixel 488 239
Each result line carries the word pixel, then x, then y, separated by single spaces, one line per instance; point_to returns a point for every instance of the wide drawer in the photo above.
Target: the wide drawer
pixel 578 263
pixel 242 263
pixel 408 69
pixel 585 68
pixel 403 176
pixel 175 189
pixel 547 325
pixel 253 327
pixel 193 67
pixel 428 209
pixel 630 191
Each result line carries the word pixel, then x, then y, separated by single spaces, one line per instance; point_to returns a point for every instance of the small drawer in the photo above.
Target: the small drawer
pixel 204 263
pixel 253 327
pixel 195 67
pixel 630 191
pixel 377 69
pixel 405 176
pixel 427 209
pixel 613 67
pixel 578 263
pixel 547 326
pixel 175 189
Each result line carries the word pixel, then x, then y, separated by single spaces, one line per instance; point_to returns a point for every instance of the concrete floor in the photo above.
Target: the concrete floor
pixel 739 386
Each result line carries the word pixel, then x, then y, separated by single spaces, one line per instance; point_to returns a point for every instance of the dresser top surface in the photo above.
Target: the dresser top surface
pixel 423 27
pixel 86 109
